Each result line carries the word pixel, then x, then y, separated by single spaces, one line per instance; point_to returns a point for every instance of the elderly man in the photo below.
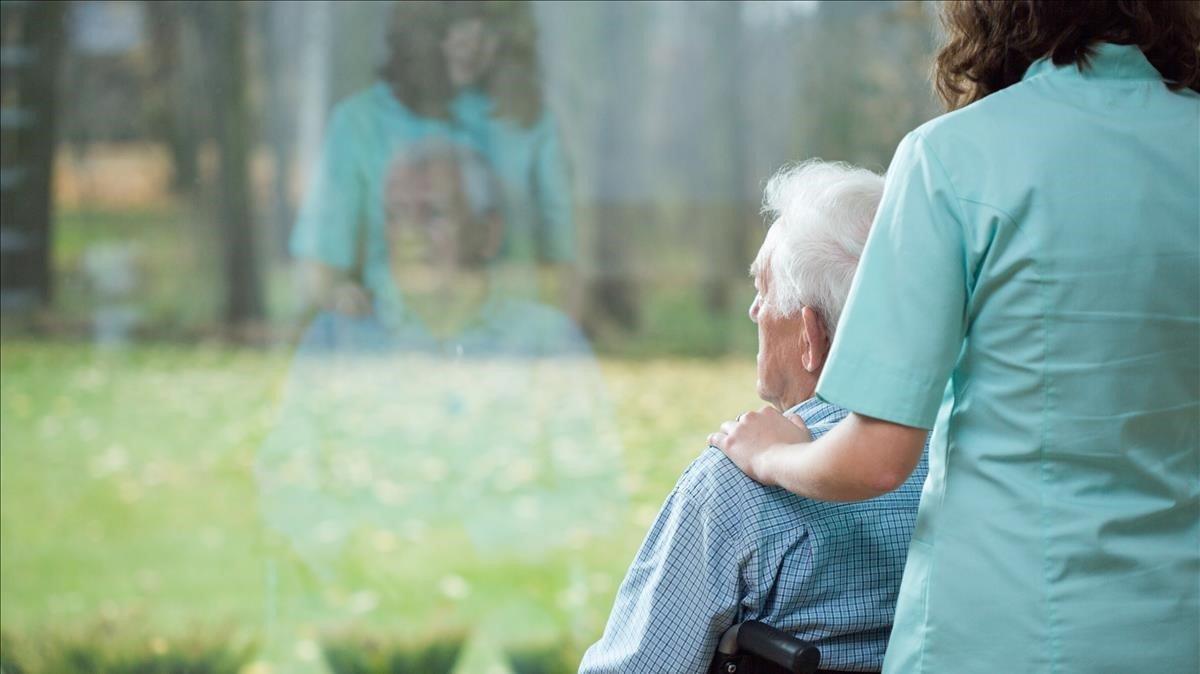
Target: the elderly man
pixel 725 549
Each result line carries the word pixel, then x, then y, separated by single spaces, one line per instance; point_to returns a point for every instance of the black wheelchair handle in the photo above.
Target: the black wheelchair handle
pixel 781 648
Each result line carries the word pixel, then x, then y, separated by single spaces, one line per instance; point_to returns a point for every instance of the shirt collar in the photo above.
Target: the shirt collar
pixel 390 309
pixel 809 408
pixel 1108 62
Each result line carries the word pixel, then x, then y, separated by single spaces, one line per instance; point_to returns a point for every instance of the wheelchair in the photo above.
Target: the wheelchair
pixel 753 647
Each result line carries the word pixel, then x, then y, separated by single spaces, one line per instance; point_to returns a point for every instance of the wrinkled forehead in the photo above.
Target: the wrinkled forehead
pixel 760 268
pixel 436 178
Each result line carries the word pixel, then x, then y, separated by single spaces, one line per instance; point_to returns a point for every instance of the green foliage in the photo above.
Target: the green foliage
pixel 176 270
pixel 9 663
pixel 678 324
pixel 350 655
pixel 100 652
pixel 543 659
pixel 127 490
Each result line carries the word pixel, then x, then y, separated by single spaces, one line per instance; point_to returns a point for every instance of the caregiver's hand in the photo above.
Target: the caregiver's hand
pixel 349 299
pixel 748 439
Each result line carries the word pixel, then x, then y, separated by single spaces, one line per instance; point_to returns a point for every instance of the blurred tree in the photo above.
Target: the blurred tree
pixel 612 292
pixel 726 249
pixel 170 106
pixel 870 87
pixel 225 25
pixel 32 48
pixel 834 50
pixel 295 99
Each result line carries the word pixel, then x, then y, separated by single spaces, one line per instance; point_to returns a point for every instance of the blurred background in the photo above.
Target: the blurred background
pixel 369 337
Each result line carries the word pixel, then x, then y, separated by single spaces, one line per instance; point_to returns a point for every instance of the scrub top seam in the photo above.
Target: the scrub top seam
pixel 999 210
pixel 960 216
pixel 1050 617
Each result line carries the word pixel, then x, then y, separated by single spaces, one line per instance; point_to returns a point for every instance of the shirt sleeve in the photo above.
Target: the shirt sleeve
pixel 680 594
pixel 330 223
pixel 904 322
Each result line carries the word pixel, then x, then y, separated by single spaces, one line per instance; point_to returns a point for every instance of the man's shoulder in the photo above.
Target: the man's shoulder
pixel 333 333
pixel 718 489
pixel 718 484
pixel 537 329
pixel 713 477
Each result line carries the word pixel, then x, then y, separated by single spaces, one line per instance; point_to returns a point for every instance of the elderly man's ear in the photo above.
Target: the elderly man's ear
pixel 816 340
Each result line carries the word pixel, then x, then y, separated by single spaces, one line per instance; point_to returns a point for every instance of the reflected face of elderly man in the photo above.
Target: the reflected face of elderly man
pixel 791 348
pixel 430 222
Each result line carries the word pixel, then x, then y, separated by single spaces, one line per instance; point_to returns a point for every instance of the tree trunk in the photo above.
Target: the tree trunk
pixel 173 115
pixel 612 293
pixel 226 23
pixel 726 250
pixel 32 53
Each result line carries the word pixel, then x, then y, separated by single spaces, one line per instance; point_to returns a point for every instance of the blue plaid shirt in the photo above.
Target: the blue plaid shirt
pixel 725 549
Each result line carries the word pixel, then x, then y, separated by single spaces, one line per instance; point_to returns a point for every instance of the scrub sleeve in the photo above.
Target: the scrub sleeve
pixel 329 227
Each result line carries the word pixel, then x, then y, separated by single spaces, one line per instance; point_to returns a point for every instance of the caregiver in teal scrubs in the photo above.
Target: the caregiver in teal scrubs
pixel 1031 292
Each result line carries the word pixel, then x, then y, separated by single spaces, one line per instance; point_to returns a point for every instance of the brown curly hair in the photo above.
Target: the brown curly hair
pixel 416 65
pixel 514 79
pixel 990 43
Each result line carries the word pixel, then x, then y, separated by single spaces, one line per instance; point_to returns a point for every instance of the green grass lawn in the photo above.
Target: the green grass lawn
pixel 128 504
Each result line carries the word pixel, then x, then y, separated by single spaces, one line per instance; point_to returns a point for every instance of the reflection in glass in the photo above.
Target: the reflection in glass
pixel 461 71
pixel 451 418
pixel 204 461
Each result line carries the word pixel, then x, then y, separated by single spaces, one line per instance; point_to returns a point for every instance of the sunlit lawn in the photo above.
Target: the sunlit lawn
pixel 127 499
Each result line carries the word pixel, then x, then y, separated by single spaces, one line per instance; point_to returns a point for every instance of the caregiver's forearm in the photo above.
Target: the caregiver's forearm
pixel 859 459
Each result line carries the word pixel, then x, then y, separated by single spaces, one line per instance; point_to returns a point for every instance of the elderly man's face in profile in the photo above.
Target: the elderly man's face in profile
pixel 780 343
pixel 429 220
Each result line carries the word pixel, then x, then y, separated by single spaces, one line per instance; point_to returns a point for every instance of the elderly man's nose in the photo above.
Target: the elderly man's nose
pixel 754 309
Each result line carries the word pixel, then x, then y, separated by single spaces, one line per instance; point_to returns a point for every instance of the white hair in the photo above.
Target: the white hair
pixel 479 183
pixel 820 213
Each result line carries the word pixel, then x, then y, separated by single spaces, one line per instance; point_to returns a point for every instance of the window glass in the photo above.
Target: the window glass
pixel 345 334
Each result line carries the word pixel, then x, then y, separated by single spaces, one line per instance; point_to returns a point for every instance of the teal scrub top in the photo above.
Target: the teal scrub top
pixel 534 179
pixel 341 219
pixel 1031 291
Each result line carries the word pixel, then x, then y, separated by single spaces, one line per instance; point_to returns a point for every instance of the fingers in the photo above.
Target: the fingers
pixel 351 299
pixel 764 411
pixel 720 438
